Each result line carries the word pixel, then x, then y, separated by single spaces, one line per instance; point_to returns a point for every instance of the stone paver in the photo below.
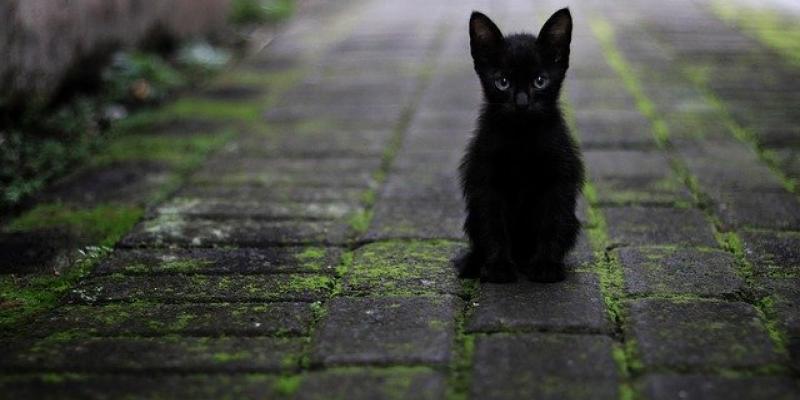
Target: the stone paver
pixel 386 330
pixel 310 257
pixel 575 305
pixel 544 367
pixel 650 271
pixel 699 334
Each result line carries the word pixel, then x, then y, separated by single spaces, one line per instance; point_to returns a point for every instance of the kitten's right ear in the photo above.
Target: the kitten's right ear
pixel 485 39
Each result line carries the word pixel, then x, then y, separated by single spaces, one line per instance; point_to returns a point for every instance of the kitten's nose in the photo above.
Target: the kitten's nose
pixel 521 99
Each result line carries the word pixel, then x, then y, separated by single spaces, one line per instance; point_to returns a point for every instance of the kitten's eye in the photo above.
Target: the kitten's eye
pixel 502 84
pixel 540 82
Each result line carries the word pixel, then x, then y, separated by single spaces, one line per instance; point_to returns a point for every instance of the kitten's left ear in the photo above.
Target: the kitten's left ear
pixel 556 35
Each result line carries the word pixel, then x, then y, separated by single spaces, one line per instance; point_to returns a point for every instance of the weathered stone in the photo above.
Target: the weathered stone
pixel 544 366
pixel 152 354
pixel 177 230
pixel 148 319
pixel 658 226
pixel 771 253
pixel 202 288
pixel 784 302
pixel 234 208
pixel 753 209
pixel 55 386
pixel 634 177
pixel 368 384
pixel 663 387
pixel 264 194
pixel 730 167
pixel 222 261
pixel 401 268
pixel 386 330
pixel 618 129
pixel 699 334
pixel 582 255
pixel 651 271
pixel 574 305
pixel 396 219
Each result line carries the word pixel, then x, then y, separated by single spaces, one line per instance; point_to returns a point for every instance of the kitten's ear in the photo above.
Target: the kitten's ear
pixel 556 35
pixel 485 39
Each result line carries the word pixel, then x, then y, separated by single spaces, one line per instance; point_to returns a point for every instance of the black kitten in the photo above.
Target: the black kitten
pixel 522 171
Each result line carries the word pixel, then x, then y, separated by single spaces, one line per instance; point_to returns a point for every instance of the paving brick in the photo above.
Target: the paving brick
pixel 222 261
pixel 176 230
pixel 164 386
pixel 386 330
pixel 147 319
pixel 234 208
pixel 396 219
pixel 634 177
pixel 651 271
pixel 368 384
pixel 784 294
pixel 573 305
pixel 202 288
pixel 109 355
pixel 729 167
pixel 663 387
pixel 772 252
pixel 752 209
pixel 620 129
pixel 265 194
pixel 699 334
pixel 544 366
pixel 658 226
pixel 401 268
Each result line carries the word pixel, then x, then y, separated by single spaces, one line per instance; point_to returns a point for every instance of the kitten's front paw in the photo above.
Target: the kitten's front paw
pixel 546 273
pixel 498 274
pixel 468 265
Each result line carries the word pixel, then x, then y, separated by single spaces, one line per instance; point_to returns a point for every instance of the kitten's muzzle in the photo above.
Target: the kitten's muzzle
pixel 521 100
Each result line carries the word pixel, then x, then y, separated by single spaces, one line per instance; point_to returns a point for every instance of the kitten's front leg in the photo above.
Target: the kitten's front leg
pixel 499 267
pixel 557 235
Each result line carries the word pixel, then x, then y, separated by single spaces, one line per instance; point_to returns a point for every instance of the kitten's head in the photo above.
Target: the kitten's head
pixel 521 73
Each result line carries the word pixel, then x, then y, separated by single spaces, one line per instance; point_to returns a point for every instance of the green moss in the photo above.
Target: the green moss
pixel 102 225
pixel 300 282
pixel 211 109
pixel 287 385
pixel 260 11
pixel 181 151
pixel 227 357
pixel 359 221
pixel 312 258
pixel 27 296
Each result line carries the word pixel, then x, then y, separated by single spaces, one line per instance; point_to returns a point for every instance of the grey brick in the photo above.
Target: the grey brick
pixel 202 288
pixel 368 384
pixel 772 252
pixel 753 209
pixel 222 261
pixel 574 305
pixel 402 268
pixel 663 387
pixel 386 330
pixel 699 334
pixel 147 319
pixel 658 226
pixel 544 366
pixel 675 270
pixel 153 354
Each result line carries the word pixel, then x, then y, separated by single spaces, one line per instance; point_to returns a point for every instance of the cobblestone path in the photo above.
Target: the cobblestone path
pixel 309 257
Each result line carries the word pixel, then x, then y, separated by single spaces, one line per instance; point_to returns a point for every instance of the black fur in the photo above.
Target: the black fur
pixel 522 171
